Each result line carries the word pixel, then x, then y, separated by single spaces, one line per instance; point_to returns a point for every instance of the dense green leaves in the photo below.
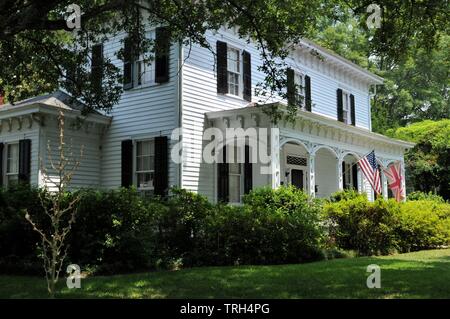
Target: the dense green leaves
pixel 428 163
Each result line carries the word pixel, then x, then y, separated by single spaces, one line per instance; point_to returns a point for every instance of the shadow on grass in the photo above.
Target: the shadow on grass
pixel 401 277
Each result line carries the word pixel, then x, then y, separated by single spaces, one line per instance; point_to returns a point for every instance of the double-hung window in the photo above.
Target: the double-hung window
pixel 143 72
pixel 12 163
pixel 346 111
pixel 299 80
pixel 233 71
pixel 145 165
pixel 235 176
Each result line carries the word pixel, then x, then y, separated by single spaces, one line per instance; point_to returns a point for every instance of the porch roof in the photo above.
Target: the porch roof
pixel 316 119
pixel 51 104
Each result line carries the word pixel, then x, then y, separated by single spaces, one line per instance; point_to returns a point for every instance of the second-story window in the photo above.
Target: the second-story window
pixel 346 107
pixel 299 80
pixel 233 68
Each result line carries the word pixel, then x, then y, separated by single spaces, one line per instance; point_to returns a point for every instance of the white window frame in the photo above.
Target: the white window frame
pixel 239 73
pixel 146 77
pixel 346 107
pixel 6 164
pixel 136 172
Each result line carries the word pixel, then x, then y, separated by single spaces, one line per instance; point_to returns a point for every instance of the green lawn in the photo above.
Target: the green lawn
pixel 424 274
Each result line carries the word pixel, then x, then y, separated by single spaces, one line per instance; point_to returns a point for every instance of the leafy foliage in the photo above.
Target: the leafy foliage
pixel 428 162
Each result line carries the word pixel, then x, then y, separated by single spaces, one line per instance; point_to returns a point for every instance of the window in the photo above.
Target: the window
pixel 12 163
pixel 143 72
pixel 233 71
pixel 145 165
pixel 299 80
pixel 346 108
pixel 235 177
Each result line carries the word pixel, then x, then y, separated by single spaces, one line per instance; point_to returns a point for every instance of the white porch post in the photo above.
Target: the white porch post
pixel 275 156
pixel 360 181
pixel 312 175
pixel 340 174
pixel 385 186
pixel 403 178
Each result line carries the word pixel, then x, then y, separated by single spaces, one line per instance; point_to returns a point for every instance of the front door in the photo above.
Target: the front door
pixel 297 178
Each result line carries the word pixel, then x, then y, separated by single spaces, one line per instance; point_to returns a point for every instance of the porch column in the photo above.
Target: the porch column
pixel 312 177
pixel 275 157
pixel 403 178
pixel 360 181
pixel 340 174
pixel 385 187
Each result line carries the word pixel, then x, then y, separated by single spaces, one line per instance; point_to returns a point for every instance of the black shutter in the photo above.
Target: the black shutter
pixel 308 102
pixel 161 168
pixel 127 163
pixel 24 160
pixel 343 175
pixel 355 176
pixel 1 164
pixel 248 171
pixel 291 87
pixel 340 106
pixel 222 187
pixel 128 64
pixel 247 70
pixel 162 54
pixel 352 109
pixel 222 76
pixel 97 67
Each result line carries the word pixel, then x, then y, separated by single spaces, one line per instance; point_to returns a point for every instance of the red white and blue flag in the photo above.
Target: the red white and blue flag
pixel 369 166
pixel 393 174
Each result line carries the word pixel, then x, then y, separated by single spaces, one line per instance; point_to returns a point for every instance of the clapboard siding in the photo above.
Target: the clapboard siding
pixel 200 95
pixel 88 172
pixel 141 113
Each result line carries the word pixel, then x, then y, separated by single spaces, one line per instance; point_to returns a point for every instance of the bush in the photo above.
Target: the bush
pixel 272 227
pixel 384 226
pixel 368 227
pixel 423 224
pixel 18 253
pixel 425 196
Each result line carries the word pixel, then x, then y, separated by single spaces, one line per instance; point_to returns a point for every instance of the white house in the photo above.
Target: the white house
pixel 193 89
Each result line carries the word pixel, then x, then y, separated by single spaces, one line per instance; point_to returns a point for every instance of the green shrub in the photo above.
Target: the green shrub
pixel 368 227
pixel 425 196
pixel 423 224
pixel 272 227
pixel 18 253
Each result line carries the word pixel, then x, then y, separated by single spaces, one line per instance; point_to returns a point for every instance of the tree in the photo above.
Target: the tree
pixel 428 163
pixel 58 207
pixel 38 54
pixel 416 84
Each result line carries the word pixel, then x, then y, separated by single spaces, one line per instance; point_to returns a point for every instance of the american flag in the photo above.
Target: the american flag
pixel 369 167
pixel 394 176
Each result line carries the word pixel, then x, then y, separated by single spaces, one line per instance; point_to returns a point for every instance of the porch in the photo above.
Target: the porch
pixel 314 153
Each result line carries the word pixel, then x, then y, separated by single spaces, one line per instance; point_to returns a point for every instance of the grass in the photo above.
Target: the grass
pixel 424 274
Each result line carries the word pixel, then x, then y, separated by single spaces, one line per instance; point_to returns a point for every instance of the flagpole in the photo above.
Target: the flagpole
pixel 351 166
